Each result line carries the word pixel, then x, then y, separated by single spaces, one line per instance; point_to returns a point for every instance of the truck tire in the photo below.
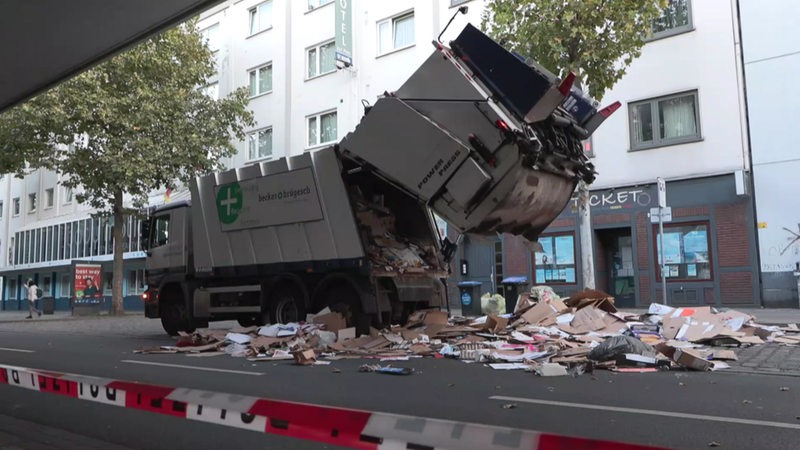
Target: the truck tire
pixel 175 317
pixel 287 306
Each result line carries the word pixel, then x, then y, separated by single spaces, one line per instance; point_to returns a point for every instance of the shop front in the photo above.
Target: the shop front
pixel 708 246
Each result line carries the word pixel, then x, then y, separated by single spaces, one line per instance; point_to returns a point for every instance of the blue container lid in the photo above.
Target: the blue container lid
pixel 515 280
pixel 469 283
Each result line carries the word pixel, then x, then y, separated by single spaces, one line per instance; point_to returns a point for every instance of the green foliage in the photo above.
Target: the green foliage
pixel 137 122
pixel 596 39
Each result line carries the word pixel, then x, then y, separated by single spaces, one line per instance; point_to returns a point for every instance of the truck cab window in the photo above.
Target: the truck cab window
pixel 160 234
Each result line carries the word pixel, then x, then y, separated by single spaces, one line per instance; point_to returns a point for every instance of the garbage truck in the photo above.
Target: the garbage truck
pixel 484 138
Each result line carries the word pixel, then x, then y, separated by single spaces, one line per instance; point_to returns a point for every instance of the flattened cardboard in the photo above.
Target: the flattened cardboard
pixel 588 319
pixel 435 318
pixel 671 326
pixel 724 355
pixel 544 310
pixel 551 370
pixel 347 333
pixel 332 321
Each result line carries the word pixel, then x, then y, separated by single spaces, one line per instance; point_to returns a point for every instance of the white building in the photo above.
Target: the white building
pixel 682 119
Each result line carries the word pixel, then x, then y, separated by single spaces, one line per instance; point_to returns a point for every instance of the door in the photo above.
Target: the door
pixel 621 274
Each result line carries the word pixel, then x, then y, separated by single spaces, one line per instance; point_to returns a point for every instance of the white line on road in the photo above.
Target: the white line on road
pixel 19 350
pixel 652 412
pixel 179 366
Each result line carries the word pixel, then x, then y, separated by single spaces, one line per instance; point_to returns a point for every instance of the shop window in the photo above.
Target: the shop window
pixel 65 284
pixel 135 281
pixel 687 253
pixel 555 264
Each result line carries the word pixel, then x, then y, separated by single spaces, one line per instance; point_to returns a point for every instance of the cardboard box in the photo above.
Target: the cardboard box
pixel 305 357
pixel 333 321
pixel 691 359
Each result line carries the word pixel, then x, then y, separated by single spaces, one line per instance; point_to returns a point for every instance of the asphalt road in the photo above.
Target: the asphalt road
pixel 668 409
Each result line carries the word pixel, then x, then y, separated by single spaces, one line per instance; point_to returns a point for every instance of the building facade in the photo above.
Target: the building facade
pixel 771 53
pixel 683 119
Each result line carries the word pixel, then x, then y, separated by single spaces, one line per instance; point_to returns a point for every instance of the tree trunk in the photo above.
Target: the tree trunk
pixel 117 307
pixel 587 241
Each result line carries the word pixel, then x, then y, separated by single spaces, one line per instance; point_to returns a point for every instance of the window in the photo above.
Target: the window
pixel 12 289
pixel 259 144
pixel 676 18
pixel 261 80
pixel 135 281
pixel 556 262
pixel 31 203
pixel 15 204
pixel 664 121
pixel 395 33
pixel 1 210
pixel 314 4
pixel 65 291
pixel 212 90
pixel 48 198
pixel 686 252
pixel 68 195
pixel 261 17
pixel 11 250
pixel 322 129
pixel 160 233
pixel 108 282
pixel 321 59
pixel 46 286
pixel 211 37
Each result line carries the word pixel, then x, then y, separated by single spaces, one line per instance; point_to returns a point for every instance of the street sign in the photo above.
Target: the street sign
pixel 662 192
pixel 665 213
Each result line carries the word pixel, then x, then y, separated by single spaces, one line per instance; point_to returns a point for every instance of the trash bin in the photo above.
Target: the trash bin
pixel 48 305
pixel 512 287
pixel 470 294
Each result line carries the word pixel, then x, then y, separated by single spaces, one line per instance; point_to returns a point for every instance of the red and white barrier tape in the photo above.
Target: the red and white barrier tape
pixel 338 426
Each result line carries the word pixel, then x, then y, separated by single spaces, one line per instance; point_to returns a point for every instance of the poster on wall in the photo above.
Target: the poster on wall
pixel 87 283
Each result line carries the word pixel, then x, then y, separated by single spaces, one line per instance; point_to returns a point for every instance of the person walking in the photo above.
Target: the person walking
pixel 33 295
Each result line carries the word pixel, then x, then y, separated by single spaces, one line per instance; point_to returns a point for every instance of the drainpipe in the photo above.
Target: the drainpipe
pixel 737 27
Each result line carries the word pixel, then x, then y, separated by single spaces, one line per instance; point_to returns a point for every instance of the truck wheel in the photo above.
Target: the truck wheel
pixel 287 306
pixel 174 318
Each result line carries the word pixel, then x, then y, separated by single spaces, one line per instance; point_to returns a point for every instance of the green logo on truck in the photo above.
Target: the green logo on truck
pixel 229 202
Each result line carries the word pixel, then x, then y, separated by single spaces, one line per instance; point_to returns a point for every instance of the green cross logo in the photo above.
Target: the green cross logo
pixel 229 202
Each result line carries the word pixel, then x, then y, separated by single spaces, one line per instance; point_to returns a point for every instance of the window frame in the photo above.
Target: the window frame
pixel 49 198
pixel 654 36
pixel 657 265
pixel 318 116
pixel 392 21
pixel 207 39
pixel 69 195
pixel 310 8
pixel 16 207
pixel 33 203
pixel 257 133
pixel 454 3
pixel 318 59
pixel 657 141
pixel 256 70
pixel 574 259
pixel 252 13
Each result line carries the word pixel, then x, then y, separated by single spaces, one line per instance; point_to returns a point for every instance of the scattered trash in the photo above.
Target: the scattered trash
pixel 545 334
pixel 784 388
pixel 509 406
pixel 747 402
pixel 714 444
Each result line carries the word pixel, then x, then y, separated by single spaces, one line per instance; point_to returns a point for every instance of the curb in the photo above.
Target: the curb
pixel 331 425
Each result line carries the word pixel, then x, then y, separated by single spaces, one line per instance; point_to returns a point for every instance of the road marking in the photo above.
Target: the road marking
pixel 180 366
pixel 19 350
pixel 652 412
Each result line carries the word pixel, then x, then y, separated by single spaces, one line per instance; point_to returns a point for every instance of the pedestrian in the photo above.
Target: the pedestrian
pixel 32 297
